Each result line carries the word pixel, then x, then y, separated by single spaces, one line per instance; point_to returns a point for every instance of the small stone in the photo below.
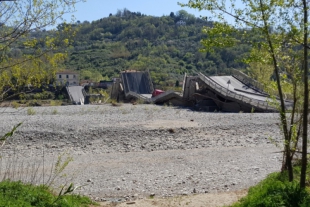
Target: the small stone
pixel 118 188
pixel 89 180
pixel 194 191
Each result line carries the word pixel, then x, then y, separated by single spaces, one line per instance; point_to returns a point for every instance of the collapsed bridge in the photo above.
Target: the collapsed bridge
pixel 233 93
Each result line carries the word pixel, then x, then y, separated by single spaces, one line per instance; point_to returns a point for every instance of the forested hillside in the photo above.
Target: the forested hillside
pixel 167 46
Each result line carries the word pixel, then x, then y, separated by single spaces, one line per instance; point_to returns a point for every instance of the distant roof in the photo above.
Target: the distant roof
pixel 132 71
pixel 67 72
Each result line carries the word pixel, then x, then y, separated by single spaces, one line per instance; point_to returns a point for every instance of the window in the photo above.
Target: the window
pixel 59 76
pixel 73 76
pixel 67 76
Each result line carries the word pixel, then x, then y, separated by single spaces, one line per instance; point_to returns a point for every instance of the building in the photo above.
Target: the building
pixel 181 23
pixel 69 78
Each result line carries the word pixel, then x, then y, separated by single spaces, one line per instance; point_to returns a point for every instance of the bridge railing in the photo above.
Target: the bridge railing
pixel 247 80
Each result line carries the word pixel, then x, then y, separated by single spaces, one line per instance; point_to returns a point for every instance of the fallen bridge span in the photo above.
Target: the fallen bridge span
pixel 233 93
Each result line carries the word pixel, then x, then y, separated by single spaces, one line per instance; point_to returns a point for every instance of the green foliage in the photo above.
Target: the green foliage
pixel 278 51
pixel 92 75
pixel 4 138
pixel 39 96
pixel 16 194
pixel 30 55
pixel 15 105
pixel 33 103
pixel 221 35
pixel 62 162
pixel 55 103
pixel 157 44
pixel 275 191
pixel 60 97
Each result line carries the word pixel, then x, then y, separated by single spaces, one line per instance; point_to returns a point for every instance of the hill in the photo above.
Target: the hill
pixel 167 46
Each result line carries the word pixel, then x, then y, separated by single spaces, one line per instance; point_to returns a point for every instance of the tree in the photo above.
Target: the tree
pixel 280 38
pixel 43 54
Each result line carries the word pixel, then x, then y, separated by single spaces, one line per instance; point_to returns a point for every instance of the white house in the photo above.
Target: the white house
pixel 67 78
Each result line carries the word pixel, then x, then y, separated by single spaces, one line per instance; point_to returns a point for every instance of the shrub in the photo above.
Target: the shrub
pixel 31 111
pixel 15 105
pixel 54 112
pixel 39 96
pixel 34 103
pixel 275 191
pixel 55 103
pixel 60 97
pixel 16 194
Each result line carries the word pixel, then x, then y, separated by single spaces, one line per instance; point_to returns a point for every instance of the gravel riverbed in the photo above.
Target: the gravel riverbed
pixel 142 150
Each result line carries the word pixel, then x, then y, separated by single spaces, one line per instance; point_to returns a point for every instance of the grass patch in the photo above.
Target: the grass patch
pixel 31 111
pixel 16 194
pixel 275 191
pixel 15 105
pixel 54 111
pixel 55 103
pixel 34 103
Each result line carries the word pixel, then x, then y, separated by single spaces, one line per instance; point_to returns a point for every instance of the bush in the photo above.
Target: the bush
pixel 15 105
pixel 31 111
pixel 16 194
pixel 38 96
pixel 275 191
pixel 34 103
pixel 55 103
pixel 54 112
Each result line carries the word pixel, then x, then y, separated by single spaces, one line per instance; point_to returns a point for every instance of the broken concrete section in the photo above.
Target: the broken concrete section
pixel 236 93
pixel 77 94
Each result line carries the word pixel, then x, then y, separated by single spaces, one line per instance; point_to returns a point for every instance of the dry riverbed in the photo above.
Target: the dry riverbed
pixel 137 154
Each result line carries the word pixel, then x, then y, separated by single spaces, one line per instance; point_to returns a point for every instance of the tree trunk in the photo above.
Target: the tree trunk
pixel 287 165
pixel 306 99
